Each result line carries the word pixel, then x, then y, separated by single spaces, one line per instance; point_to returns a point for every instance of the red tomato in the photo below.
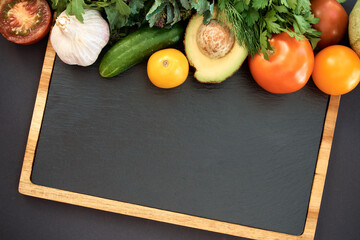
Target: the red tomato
pixel 288 68
pixel 336 70
pixel 25 21
pixel 333 21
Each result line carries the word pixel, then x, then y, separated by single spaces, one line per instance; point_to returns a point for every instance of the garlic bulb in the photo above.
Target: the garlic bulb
pixel 79 43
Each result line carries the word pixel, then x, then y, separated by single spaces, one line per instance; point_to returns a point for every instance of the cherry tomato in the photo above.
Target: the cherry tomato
pixel 168 68
pixel 289 66
pixel 25 21
pixel 336 70
pixel 333 21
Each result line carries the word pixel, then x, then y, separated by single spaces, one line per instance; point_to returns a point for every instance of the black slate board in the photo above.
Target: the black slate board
pixel 230 152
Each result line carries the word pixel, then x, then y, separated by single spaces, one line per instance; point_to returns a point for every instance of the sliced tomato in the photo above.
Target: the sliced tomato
pixel 25 21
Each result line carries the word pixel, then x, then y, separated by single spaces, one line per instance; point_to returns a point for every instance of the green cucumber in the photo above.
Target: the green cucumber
pixel 137 46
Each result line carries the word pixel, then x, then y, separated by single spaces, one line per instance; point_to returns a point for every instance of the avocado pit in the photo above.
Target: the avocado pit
pixel 214 40
pixel 212 49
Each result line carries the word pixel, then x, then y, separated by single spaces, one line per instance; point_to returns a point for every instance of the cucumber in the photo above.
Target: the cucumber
pixel 137 46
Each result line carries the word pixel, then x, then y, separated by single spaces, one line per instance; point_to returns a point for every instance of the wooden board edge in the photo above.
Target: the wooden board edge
pixel 26 187
pixel 83 200
pixel 37 116
pixel 321 168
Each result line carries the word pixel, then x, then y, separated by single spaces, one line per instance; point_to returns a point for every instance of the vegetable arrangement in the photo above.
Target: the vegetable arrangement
pixel 277 36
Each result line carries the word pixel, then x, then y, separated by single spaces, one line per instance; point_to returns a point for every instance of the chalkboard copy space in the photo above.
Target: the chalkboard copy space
pixel 212 157
pixel 229 152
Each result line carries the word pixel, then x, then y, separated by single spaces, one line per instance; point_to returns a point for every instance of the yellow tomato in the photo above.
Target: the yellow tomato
pixel 168 68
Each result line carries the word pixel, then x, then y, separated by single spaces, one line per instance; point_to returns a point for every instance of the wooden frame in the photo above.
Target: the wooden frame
pixel 28 188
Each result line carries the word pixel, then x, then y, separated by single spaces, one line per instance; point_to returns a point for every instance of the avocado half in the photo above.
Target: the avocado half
pixel 212 50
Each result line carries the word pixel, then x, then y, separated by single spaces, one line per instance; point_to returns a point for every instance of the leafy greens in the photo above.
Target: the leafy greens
pixel 252 21
pixel 123 15
pixel 171 11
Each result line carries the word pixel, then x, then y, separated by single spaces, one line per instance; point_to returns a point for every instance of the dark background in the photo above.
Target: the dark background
pixel 23 217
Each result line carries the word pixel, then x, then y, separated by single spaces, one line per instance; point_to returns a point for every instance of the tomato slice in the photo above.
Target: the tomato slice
pixel 25 21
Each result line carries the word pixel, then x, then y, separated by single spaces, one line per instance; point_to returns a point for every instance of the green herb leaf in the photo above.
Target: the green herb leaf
pixel 292 4
pixel 185 4
pixel 281 9
pixel 59 5
pixel 122 7
pixel 116 20
pixel 239 6
pixel 271 22
pixel 302 24
pixel 264 44
pixel 251 16
pixel 259 4
pixel 136 6
pixel 204 8
pixel 76 7
pixel 156 13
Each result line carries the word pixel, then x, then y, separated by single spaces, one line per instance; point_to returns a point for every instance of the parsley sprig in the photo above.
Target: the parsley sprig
pixel 254 21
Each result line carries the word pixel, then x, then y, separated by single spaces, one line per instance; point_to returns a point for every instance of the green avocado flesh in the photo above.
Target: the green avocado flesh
pixel 211 68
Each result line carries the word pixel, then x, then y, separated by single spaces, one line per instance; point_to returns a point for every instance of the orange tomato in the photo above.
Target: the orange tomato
pixel 168 68
pixel 288 68
pixel 336 70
